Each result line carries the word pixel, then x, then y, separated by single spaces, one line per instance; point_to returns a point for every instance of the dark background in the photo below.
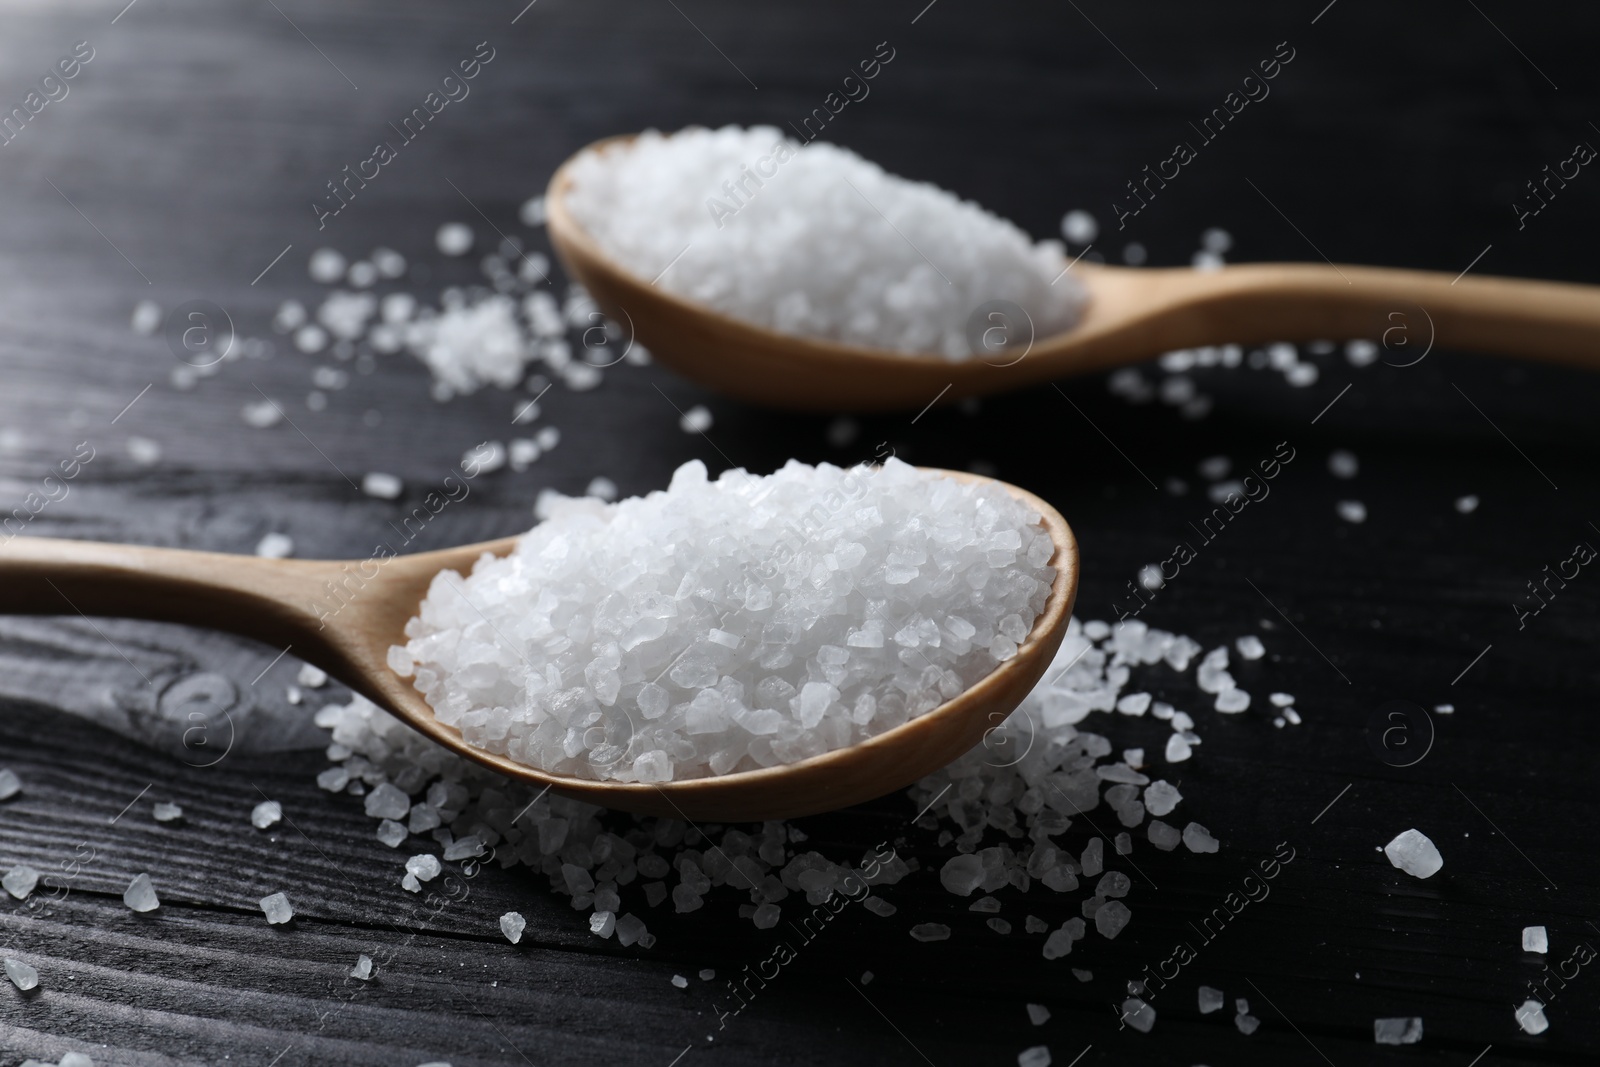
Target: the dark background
pixel 1400 135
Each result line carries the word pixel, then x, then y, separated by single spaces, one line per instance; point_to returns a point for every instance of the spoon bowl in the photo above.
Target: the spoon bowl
pixel 1131 315
pixel 344 616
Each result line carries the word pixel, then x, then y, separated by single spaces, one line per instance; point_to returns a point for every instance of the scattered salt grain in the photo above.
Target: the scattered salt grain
pixel 1232 701
pixel 1111 917
pixel 1281 700
pixel 22 976
pixel 680 981
pixel 1079 227
pixel 261 414
pixel 1210 1000
pixel 1466 505
pixel 1038 1014
pixel 312 677
pixel 998 925
pixel 1162 836
pixel 1445 709
pixel 1360 352
pixel 1413 853
pixel 696 420
pixel 275 546
pixel 425 868
pixel 879 907
pixel 1402 1031
pixel 603 923
pixel 326 266
pixel 1037 1056
pixel 1197 838
pixel 381 485
pixel 362 971
pixel 20 880
pixel 923 260
pixel 391 833
pixel 1247 1024
pixel 146 318
pixel 277 909
pixel 1351 510
pixel 1139 1015
pixel 1530 1016
pixel 1161 797
pixel 1214 468
pixel 454 239
pixel 141 894
pixel 532 211
pixel 1343 464
pixel 386 801
pixel 165 812
pixel 143 451
pixel 930 932
pixel 1535 939
pixel 1250 647
pixel 266 814
pixel 512 924
pixel 74 1059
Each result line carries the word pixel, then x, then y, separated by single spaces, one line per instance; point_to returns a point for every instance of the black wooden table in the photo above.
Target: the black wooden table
pixel 185 158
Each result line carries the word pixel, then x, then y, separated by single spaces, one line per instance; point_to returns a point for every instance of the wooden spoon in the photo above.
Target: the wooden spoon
pixel 1132 315
pixel 344 616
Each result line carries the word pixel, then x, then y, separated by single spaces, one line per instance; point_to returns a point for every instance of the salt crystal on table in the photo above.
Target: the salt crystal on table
pixel 1198 839
pixel 766 916
pixel 261 414
pixel 1445 709
pixel 165 812
pixel 1247 1024
pixel 1281 700
pixel 707 974
pixel 277 909
pixel 1038 1014
pixel 1093 859
pixel 312 677
pixel 1351 510
pixel 1079 227
pixel 1037 1056
pixel 275 546
pixel 425 867
pixel 1530 1016
pixel 930 932
pixel 962 874
pixel 22 976
pixel 391 833
pixel 74 1059
pixel 1535 939
pixel 141 894
pixel 1111 918
pixel 381 485
pixel 1058 944
pixel 1082 975
pixel 363 968
pixel 1113 884
pixel 1163 836
pixel 880 907
pixel 1139 1015
pixel 20 880
pixel 1402 1031
pixel 1241 1005
pixel 1232 701
pixel 1161 797
pixel 1413 853
pixel 1178 749
pixel 326 266
pixel 387 802
pixel 334 779
pixel 532 211
pixel 146 318
pixel 467 847
pixel 696 420
pixel 512 924
pixel 1210 1000
pixel 601 489
pixel 143 451
pixel 1467 504
pixel 1343 464
pixel 999 925
pixel 454 239
pixel 1035 925
pixel 1214 468
pixel 1250 647
pixel 266 814
pixel 602 923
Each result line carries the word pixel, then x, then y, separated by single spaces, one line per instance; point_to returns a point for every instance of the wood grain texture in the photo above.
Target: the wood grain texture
pixel 195 142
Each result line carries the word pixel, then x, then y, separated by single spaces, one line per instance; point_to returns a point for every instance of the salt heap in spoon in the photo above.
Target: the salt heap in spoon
pixel 814 240
pixel 730 625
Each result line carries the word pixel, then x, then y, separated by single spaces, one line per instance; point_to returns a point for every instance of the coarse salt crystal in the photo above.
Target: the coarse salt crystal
pixel 512 924
pixel 381 485
pixel 1413 853
pixel 277 909
pixel 141 894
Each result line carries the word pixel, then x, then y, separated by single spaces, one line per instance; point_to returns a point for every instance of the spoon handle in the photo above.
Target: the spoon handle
pixel 1409 311
pixel 261 598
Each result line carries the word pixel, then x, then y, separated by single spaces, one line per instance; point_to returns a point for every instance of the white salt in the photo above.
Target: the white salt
pixel 20 880
pixel 326 266
pixel 680 981
pixel 1162 836
pixel 1351 510
pixel 1402 1031
pixel 1161 797
pixel 391 833
pixel 21 974
pixel 1138 1014
pixel 311 677
pixel 930 932
pixel 261 414
pixel 387 801
pixel 1210 1000
pixel 275 546
pixel 425 868
pixel 266 814
pixel 165 812
pixel 277 909
pixel 696 420
pixel 1530 1016
pixel 603 923
pixel 512 924
pixel 146 317
pixel 1079 227
pixel 1197 838
pixel 532 212
pixel 1343 464
pixel 1111 917
pixel 1037 1056
pixel 1467 504
pixel 143 451
pixel 381 485
pixel 362 971
pixel 1281 700
pixel 454 239
pixel 962 874
pixel 1038 1014
pixel 713 215
pixel 1535 939
pixel 1232 701
pixel 704 630
pixel 1247 1024
pixel 1413 853
pixel 141 894
pixel 601 489
pixel 1250 647
pixel 1178 749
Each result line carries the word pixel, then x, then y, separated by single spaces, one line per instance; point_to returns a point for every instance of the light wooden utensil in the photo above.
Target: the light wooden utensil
pixel 285 603
pixel 1132 315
